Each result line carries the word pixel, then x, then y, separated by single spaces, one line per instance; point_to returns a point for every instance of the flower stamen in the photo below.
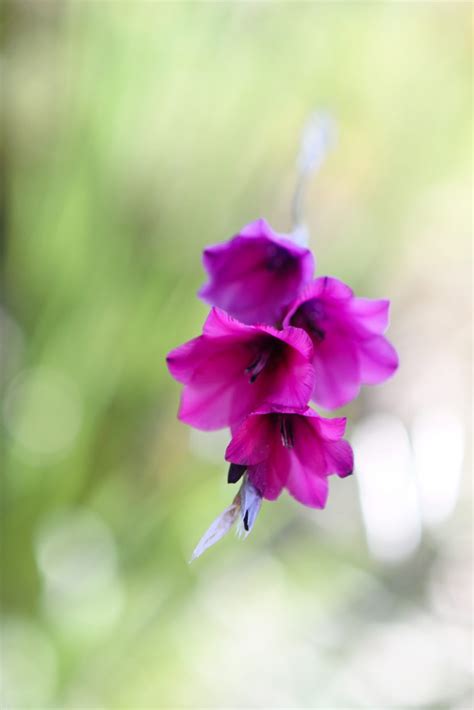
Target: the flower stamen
pixel 257 365
pixel 286 432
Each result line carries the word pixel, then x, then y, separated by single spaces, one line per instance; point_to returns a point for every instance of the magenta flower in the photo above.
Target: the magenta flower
pixel 255 275
pixel 292 450
pixel 348 345
pixel 232 369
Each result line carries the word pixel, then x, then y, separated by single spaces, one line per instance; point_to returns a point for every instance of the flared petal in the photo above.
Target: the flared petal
pixel 292 380
pixel 328 429
pixel 180 361
pixel 333 289
pixel 307 488
pixel 378 360
pixel 369 314
pixel 346 332
pixel 315 457
pixel 259 227
pixel 307 471
pixel 219 324
pixel 339 458
pixel 218 391
pixel 324 288
pixel 184 360
pixel 297 338
pixel 255 444
pixel 270 476
pixel 337 371
pixel 251 441
pixel 238 274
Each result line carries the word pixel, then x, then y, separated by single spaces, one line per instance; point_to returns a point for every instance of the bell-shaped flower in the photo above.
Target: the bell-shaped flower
pixel 255 276
pixel 348 343
pixel 232 369
pixel 292 450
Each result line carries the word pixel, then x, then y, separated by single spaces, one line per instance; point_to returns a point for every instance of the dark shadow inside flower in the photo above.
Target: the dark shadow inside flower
pixel 312 317
pixel 267 353
pixel 279 259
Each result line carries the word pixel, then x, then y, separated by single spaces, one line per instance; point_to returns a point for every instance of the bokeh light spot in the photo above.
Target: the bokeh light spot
pixel 77 557
pixel 43 413
pixel 387 487
pixel 438 446
pixel 28 665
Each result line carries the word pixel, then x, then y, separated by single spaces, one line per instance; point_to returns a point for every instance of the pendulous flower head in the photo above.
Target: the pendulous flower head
pixel 279 449
pixel 274 339
pixel 232 369
pixel 349 349
pixel 255 275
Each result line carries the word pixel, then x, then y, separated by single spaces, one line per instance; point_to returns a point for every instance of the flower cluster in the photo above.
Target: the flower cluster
pixel 276 339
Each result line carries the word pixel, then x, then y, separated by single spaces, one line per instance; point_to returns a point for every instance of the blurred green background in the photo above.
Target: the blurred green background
pixel 135 134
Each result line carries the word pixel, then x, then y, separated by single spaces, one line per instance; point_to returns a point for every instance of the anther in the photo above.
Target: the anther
pixel 236 471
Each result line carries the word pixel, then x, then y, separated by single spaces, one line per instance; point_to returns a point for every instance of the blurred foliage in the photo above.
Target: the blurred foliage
pixel 135 134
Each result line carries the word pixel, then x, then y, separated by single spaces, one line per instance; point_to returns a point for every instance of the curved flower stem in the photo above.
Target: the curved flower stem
pixel 317 138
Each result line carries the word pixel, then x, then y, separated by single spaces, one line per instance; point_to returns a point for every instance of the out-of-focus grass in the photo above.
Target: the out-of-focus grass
pixel 137 133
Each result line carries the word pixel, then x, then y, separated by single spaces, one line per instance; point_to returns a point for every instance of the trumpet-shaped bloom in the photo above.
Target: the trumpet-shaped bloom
pixel 256 275
pixel 232 369
pixel 348 345
pixel 292 450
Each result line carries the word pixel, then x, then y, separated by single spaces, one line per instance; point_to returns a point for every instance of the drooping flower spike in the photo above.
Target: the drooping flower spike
pixel 255 276
pixel 275 450
pixel 232 369
pixel 280 449
pixel 273 340
pixel 349 349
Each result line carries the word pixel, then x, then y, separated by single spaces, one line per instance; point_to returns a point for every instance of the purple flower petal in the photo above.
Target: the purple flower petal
pixel 337 371
pixel 378 360
pixel 371 315
pixel 307 471
pixel 293 450
pixel 346 332
pixel 232 369
pixel 255 275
